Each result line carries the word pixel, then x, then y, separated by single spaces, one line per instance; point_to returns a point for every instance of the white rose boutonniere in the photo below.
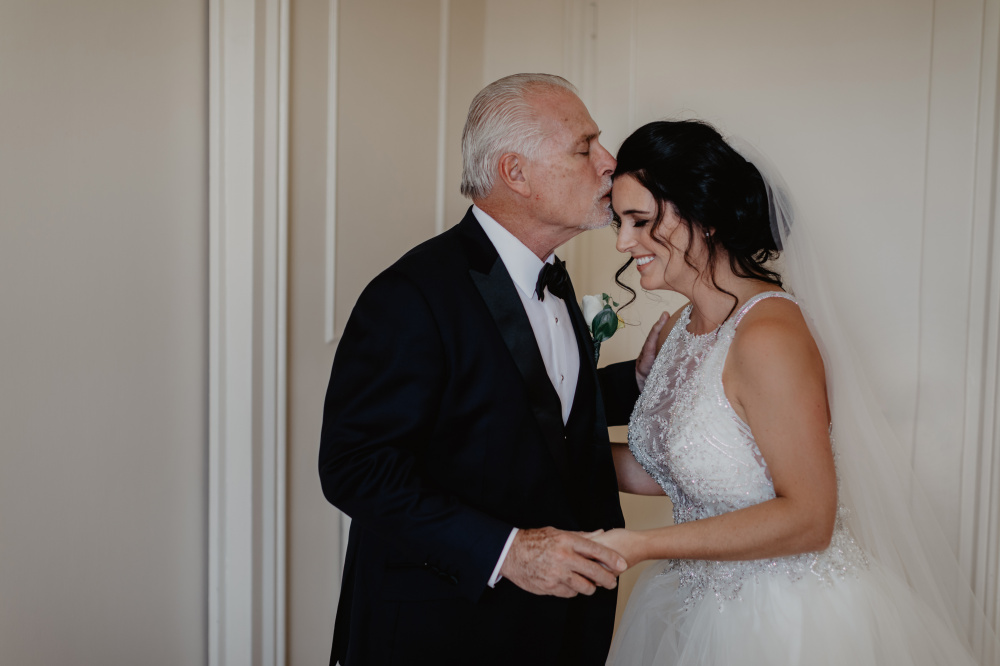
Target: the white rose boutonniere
pixel 601 318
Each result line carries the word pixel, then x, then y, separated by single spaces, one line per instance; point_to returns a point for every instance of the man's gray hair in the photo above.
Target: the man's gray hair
pixel 501 121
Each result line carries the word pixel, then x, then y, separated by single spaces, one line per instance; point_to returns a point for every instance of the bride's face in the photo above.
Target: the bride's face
pixel 660 260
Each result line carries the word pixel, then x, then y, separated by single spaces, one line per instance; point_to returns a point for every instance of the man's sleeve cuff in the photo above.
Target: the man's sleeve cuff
pixel 503 556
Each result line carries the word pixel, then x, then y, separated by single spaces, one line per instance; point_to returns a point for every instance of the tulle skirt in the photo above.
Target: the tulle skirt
pixel 870 617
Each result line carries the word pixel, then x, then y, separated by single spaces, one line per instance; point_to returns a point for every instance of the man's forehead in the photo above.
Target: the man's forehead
pixel 558 103
pixel 565 114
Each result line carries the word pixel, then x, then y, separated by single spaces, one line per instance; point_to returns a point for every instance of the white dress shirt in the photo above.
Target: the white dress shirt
pixel 549 320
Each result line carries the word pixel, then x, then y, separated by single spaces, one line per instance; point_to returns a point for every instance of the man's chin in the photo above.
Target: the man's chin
pixel 599 223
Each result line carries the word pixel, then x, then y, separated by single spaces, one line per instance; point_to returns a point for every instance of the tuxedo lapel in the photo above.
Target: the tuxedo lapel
pixel 587 380
pixel 500 296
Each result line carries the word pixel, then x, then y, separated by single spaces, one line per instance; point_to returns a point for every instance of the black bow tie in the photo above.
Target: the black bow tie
pixel 555 277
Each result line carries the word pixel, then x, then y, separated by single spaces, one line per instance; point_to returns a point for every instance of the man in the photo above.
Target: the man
pixel 463 429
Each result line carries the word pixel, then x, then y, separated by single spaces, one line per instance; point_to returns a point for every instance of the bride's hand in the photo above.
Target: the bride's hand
pixel 647 355
pixel 624 542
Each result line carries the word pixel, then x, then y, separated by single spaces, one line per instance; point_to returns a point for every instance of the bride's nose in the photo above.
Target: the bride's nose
pixel 625 239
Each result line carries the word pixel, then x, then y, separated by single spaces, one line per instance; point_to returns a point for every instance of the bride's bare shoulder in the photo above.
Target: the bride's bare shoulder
pixel 773 333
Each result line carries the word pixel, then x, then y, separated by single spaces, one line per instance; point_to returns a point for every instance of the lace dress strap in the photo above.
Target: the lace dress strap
pixel 757 299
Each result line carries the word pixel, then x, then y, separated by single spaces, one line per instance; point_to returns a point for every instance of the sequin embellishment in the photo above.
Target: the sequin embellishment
pixel 686 435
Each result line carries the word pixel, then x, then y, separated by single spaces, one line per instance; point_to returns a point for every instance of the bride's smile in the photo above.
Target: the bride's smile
pixel 642 261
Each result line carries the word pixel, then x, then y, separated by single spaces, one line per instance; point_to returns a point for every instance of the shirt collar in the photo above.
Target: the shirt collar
pixel 522 264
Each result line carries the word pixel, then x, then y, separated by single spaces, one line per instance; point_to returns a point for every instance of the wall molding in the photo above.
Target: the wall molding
pixel 579 67
pixel 274 331
pixel 442 119
pixel 987 570
pixel 580 47
pixel 633 64
pixel 979 551
pixel 331 172
pixel 248 184
pixel 332 335
pixel 953 452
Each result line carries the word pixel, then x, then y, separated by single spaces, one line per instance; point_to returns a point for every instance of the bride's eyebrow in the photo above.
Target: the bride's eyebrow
pixel 635 211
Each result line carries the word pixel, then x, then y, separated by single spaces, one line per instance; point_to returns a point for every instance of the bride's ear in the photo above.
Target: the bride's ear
pixel 513 175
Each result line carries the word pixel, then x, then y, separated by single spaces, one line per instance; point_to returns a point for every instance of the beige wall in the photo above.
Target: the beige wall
pixel 103 366
pixel 387 138
pixel 466 32
pixel 313 526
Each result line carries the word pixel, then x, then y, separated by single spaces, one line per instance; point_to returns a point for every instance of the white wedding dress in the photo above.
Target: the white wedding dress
pixel 838 606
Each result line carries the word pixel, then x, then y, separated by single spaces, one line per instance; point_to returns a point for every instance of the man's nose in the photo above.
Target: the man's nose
pixel 607 161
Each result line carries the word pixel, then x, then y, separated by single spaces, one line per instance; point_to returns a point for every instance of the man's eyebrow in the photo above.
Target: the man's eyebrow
pixel 587 138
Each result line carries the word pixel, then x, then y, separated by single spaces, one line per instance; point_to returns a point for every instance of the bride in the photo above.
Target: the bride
pixel 793 539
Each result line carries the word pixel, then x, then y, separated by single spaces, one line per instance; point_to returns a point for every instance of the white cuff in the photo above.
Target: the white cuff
pixel 503 556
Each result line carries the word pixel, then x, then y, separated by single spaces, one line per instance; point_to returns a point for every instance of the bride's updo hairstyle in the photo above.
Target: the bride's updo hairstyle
pixel 712 188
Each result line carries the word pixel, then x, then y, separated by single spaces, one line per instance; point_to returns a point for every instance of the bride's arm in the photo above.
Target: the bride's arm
pixel 632 477
pixel 775 380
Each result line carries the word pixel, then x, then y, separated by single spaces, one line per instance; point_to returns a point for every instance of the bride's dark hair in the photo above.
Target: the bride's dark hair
pixel 712 188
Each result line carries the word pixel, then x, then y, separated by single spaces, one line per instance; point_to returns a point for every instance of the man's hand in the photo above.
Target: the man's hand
pixel 558 563
pixel 647 355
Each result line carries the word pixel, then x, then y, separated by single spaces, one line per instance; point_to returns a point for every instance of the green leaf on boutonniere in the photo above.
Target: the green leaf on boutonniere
pixel 604 325
pixel 602 320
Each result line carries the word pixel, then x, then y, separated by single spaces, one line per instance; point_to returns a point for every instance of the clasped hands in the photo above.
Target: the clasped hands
pixel 564 564
pixel 549 561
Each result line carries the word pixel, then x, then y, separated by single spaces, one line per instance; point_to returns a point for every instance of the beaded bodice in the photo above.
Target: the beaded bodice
pixel 686 435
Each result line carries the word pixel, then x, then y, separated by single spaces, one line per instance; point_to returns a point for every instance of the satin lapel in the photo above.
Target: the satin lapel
pixel 500 295
pixel 586 345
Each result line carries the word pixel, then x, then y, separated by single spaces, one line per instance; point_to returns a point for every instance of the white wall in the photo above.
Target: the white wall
pixel 103 366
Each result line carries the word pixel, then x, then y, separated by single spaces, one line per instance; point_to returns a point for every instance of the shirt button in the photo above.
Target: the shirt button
pixel 562 378
pixel 557 320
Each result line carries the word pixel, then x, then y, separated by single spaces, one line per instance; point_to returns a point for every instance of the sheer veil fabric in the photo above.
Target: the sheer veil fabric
pixel 889 515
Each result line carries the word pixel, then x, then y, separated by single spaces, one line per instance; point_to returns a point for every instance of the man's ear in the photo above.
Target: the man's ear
pixel 512 174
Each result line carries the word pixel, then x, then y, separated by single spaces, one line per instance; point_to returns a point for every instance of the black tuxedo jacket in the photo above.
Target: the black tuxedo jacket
pixel 441 432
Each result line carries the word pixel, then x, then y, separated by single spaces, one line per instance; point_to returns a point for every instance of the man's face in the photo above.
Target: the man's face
pixel 570 176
